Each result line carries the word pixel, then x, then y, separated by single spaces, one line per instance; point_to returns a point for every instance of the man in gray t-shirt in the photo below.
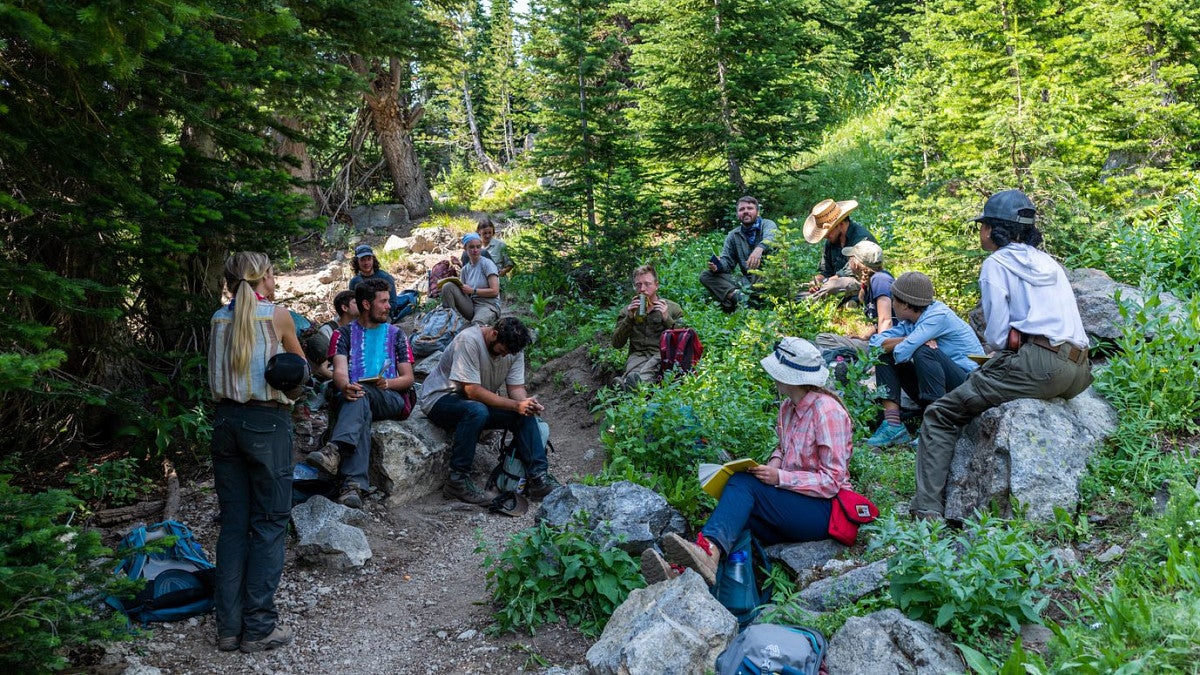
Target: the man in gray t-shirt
pixel 462 396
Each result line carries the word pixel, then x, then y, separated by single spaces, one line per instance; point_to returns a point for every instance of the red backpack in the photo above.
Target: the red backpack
pixel 679 348
pixel 443 270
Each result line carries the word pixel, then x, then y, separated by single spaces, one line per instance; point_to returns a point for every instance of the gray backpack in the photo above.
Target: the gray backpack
pixel 771 648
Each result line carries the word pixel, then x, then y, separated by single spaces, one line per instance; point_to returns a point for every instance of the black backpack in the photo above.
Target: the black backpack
pixel 509 474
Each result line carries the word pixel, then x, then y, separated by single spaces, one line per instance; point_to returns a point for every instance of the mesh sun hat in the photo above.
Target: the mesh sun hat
pixel 796 361
pixel 866 252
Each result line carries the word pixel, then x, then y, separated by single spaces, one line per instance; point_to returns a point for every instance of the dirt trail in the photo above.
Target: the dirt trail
pixel 420 603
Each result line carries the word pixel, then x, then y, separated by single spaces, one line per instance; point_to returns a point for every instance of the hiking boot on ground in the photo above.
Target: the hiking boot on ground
pixel 889 433
pixel 461 487
pixel 701 556
pixel 350 496
pixel 541 485
pixel 229 643
pixel 655 568
pixel 327 459
pixel 278 638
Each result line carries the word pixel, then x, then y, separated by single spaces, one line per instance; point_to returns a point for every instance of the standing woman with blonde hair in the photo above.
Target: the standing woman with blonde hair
pixel 251 453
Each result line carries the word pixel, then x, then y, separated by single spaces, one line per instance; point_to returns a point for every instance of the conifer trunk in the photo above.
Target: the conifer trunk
pixel 731 159
pixel 394 119
pixel 481 156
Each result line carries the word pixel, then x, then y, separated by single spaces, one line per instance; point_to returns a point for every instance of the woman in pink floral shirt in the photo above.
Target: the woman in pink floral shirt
pixel 788 498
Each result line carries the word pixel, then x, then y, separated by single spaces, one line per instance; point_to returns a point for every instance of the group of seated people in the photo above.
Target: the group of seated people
pixel 370 368
pixel 1037 344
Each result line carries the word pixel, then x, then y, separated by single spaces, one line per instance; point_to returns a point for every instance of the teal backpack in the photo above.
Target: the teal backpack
pixel 737 587
pixel 179 577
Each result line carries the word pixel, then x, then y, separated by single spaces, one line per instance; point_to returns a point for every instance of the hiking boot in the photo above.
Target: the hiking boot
pixel 351 496
pixel 933 516
pixel 655 568
pixel 278 638
pixel 462 488
pixel 701 556
pixel 327 459
pixel 541 485
pixel 889 433
pixel 229 643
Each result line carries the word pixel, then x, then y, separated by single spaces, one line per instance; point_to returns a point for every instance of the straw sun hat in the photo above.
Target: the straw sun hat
pixel 824 216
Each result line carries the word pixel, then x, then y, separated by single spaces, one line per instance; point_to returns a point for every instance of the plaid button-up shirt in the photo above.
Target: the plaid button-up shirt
pixel 814 445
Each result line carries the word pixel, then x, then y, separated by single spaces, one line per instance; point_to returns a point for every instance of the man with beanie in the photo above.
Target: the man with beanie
pixel 926 353
pixel 743 252
pixel 1033 323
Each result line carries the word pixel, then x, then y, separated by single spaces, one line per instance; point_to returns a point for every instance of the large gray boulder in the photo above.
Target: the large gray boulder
pixel 379 217
pixel 1029 449
pixel 889 643
pixel 671 628
pixel 834 592
pixel 624 514
pixel 1095 294
pixel 328 536
pixel 409 459
pixel 805 556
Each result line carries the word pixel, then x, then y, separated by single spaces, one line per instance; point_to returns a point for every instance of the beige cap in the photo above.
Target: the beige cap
pixel 866 252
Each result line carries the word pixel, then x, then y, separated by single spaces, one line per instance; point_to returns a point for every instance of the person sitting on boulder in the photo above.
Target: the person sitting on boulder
pixel 373 378
pixel 462 396
pixel 830 221
pixel 926 354
pixel 874 295
pixel 641 325
pixel 366 266
pixel 728 277
pixel 1032 320
pixel 320 360
pixel 493 248
pixel 477 295
pixel 789 498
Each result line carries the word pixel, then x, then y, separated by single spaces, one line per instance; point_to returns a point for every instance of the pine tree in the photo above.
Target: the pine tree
pixel 730 88
pixel 584 142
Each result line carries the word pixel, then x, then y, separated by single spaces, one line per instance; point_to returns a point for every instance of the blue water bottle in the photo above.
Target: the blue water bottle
pixel 736 589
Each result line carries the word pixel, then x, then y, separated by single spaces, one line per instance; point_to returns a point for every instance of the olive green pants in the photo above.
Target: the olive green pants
pixel 1031 372
pixel 641 368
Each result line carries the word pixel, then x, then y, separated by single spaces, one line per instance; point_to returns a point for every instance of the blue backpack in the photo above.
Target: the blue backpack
pixel 179 577
pixel 407 302
pixel 737 587
pixel 436 330
pixel 770 648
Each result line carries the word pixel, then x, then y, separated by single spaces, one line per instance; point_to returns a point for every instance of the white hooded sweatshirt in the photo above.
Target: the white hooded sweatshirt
pixel 1024 288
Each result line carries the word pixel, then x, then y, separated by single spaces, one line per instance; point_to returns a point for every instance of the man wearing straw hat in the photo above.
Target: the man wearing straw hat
pixel 830 221
pixel 743 252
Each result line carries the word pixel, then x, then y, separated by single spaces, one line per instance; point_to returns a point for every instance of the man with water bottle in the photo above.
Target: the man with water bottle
pixel 641 325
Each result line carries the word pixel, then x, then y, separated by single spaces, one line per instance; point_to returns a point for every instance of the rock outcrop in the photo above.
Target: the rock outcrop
pixel 327 534
pixel 672 628
pixel 888 643
pixel 624 514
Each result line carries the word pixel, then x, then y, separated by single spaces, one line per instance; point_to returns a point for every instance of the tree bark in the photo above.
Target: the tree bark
pixel 588 189
pixel 300 165
pixel 395 118
pixel 481 156
pixel 731 132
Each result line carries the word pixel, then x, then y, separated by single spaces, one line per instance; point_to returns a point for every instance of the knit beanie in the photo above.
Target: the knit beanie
pixel 914 289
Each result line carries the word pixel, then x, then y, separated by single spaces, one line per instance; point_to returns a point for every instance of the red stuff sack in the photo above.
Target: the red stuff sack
pixel 848 512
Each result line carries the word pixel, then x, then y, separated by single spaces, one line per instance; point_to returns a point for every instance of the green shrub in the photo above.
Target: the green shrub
pixel 115 482
pixel 52 579
pixel 990 575
pixel 545 574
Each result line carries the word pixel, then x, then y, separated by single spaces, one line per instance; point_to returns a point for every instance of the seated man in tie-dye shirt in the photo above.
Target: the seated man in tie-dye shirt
pixel 373 378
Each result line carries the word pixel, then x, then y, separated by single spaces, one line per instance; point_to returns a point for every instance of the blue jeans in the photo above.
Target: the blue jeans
pixel 353 428
pixel 252 468
pixel 774 515
pixel 466 418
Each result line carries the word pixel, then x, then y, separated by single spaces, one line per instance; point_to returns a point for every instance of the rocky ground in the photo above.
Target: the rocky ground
pixel 420 604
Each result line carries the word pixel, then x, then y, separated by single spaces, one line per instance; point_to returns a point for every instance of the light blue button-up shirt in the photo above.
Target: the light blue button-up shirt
pixel 938 322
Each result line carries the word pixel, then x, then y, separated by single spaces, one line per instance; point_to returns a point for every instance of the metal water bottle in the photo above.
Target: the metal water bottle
pixel 641 311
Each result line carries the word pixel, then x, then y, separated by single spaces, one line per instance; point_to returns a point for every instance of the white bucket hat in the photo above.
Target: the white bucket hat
pixel 796 361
